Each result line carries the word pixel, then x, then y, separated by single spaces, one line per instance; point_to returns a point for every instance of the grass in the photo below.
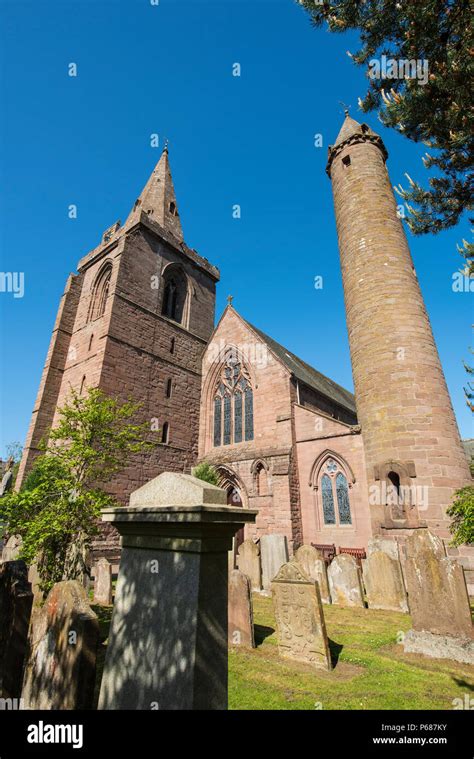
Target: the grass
pixel 371 670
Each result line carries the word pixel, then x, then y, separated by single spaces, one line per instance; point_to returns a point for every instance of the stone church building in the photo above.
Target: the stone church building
pixel 321 465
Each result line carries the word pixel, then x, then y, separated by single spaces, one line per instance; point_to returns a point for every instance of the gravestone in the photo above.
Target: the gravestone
pixel 438 600
pixel 312 562
pixel 345 584
pixel 240 619
pixel 299 618
pixel 16 600
pixel 383 578
pixel 62 647
pixel 12 548
pixel 168 646
pixel 248 561
pixel 274 553
pixel 103 582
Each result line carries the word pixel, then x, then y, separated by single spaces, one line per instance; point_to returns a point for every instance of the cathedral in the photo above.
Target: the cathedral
pixel 321 465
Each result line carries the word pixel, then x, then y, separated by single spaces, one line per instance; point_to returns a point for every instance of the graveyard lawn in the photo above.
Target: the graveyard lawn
pixel 371 670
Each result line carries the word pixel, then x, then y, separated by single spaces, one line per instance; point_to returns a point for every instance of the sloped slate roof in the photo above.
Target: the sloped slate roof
pixel 307 374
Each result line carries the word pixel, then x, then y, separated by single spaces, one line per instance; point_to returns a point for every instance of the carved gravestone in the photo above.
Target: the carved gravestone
pixel 248 561
pixel 274 553
pixel 299 618
pixel 62 646
pixel 240 617
pixel 103 582
pixel 312 562
pixel 438 600
pixel 383 578
pixel 345 582
pixel 16 599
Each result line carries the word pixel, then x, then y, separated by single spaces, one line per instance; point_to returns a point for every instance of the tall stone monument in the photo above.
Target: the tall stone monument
pixel 168 636
pixel 299 617
pixel 438 600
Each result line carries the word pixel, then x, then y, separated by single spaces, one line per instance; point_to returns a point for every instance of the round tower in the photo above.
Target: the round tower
pixel 414 455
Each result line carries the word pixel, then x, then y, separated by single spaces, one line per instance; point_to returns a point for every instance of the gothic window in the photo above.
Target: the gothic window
pixel 169 386
pixel 233 404
pixel 83 382
pixel 334 489
pixel 165 433
pixel 174 294
pixel 100 292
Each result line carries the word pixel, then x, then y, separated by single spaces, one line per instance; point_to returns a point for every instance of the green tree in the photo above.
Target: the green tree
pixel 205 471
pixel 57 511
pixel 435 109
pixel 462 515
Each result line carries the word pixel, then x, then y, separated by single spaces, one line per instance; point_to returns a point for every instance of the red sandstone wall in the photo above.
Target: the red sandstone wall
pixel 315 434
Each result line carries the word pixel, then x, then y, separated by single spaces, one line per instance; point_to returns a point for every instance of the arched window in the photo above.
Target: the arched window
pixel 169 386
pixel 334 490
pixel 91 340
pixel 165 433
pixel 83 384
pixel 100 292
pixel 173 208
pixel 172 345
pixel 174 293
pixel 233 404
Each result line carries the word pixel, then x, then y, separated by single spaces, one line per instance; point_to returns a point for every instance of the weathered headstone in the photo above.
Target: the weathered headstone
pixel 383 578
pixel 274 553
pixel 35 580
pixel 299 617
pixel 240 619
pixel 345 584
pixel 313 565
pixel 62 646
pixel 12 548
pixel 103 582
pixel 248 561
pixel 16 600
pixel 168 645
pixel 438 600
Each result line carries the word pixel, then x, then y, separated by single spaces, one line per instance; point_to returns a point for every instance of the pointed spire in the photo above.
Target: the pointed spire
pixel 351 132
pixel 351 127
pixel 158 198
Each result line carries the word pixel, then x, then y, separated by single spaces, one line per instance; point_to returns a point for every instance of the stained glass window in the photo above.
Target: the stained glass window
pixel 227 419
pixel 217 420
pixel 233 389
pixel 238 418
pixel 342 493
pixel 328 500
pixel 249 414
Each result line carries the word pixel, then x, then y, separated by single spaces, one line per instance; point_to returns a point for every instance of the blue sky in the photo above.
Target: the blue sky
pixel 248 140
